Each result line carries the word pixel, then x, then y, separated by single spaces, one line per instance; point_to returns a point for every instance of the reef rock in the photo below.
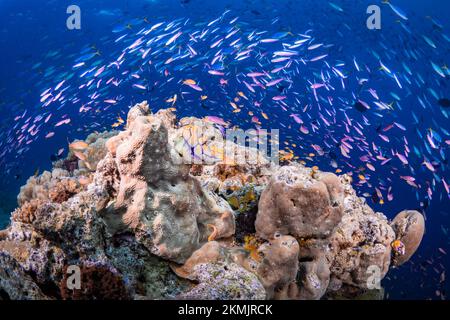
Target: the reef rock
pixel 279 267
pixel 341 239
pixel 15 283
pixel 56 186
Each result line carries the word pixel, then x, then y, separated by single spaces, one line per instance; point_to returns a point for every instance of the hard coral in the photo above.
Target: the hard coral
pixel 409 228
pixel 64 190
pixel 27 212
pixel 224 281
pixel 56 186
pixel 70 164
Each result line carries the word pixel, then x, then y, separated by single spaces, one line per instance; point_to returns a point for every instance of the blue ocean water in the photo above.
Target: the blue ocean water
pixel 402 66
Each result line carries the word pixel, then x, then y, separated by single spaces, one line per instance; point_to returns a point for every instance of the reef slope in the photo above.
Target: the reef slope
pixel 134 215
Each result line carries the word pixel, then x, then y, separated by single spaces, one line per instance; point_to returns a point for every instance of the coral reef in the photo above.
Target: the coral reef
pixel 162 210
pixel 361 240
pixel 56 186
pixel 409 227
pixel 15 283
pixel 157 199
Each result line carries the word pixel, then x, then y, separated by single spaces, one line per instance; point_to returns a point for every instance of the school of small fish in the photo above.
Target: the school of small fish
pixel 347 111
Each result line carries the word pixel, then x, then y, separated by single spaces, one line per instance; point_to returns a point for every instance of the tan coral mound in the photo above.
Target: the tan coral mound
pixel 143 218
pixel 409 227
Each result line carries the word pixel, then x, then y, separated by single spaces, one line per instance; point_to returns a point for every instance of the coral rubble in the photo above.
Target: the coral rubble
pixel 140 218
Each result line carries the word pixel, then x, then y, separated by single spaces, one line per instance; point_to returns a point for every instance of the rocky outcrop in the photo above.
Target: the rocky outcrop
pixel 224 281
pixel 165 209
pixel 56 186
pixel 341 239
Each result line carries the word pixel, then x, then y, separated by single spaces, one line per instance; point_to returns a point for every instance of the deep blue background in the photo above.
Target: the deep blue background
pixel 31 29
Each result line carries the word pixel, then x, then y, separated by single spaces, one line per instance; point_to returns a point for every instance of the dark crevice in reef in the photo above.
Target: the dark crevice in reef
pixel 245 224
pixel 50 289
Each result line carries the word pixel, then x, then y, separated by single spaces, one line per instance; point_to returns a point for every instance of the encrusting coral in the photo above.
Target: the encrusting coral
pixel 159 210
